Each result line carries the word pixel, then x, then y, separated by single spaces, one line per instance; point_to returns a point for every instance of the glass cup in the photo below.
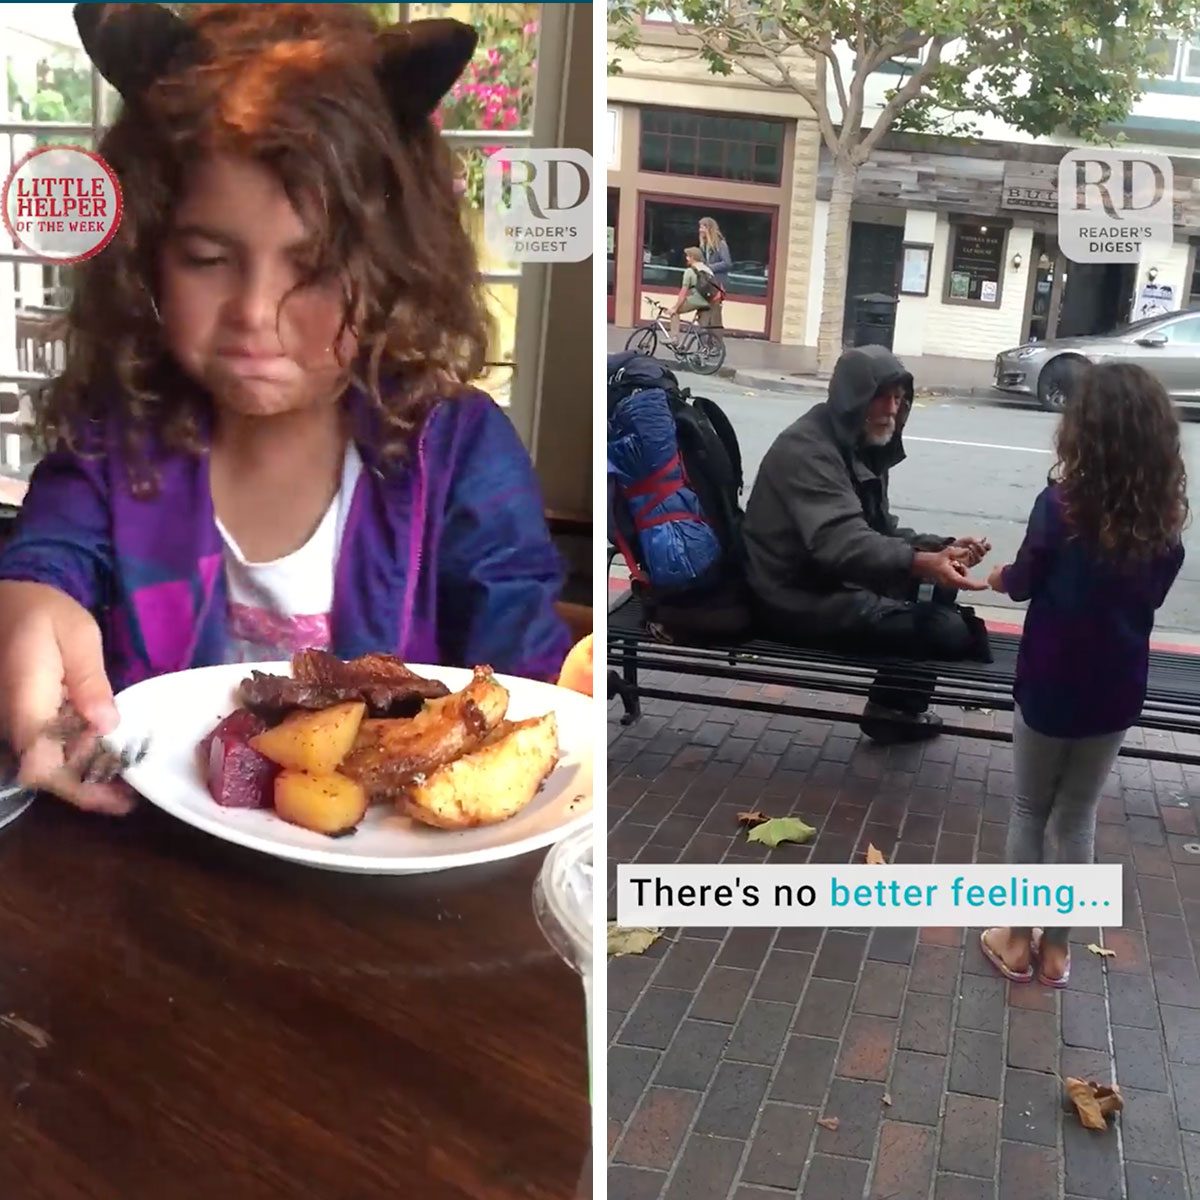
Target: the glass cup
pixel 562 903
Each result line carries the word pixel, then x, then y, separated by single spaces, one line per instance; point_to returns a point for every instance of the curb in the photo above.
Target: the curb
pixel 804 383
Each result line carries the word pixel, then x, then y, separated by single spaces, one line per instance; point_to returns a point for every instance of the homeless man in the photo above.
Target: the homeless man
pixel 827 561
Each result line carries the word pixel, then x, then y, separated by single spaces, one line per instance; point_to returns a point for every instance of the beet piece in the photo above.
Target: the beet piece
pixel 237 775
pixel 241 722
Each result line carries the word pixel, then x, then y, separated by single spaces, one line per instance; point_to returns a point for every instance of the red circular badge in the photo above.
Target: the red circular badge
pixel 62 203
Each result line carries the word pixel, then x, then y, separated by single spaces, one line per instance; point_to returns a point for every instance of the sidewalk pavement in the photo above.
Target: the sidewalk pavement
pixel 770 367
pixel 726 1047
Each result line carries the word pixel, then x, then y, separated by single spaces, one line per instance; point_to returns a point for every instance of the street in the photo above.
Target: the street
pixel 974 466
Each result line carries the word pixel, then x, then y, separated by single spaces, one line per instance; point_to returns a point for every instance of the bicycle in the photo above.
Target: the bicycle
pixel 698 347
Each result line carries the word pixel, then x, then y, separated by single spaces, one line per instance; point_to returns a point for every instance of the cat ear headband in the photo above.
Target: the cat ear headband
pixel 132 45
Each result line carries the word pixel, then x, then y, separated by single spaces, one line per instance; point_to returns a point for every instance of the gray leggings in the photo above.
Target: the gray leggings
pixel 1057 786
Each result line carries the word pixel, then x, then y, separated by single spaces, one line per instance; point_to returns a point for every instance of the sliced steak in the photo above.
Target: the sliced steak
pixel 384 684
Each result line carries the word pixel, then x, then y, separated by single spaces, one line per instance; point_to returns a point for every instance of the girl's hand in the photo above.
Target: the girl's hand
pixel 576 673
pixel 50 651
pixel 996 579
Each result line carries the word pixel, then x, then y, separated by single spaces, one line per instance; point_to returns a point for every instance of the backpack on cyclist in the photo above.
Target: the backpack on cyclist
pixel 708 287
pixel 675 471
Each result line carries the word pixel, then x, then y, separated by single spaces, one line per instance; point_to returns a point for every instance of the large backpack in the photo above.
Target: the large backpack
pixel 689 478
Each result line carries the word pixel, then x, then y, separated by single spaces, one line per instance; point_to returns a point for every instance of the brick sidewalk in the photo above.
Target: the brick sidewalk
pixel 727 1046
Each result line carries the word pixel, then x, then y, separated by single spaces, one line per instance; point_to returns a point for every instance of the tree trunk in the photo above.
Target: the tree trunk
pixel 837 255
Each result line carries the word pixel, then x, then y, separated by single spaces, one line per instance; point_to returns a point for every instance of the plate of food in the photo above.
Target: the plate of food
pixel 372 766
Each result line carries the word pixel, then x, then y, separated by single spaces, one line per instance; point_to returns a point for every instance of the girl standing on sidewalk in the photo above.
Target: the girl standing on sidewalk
pixel 1100 555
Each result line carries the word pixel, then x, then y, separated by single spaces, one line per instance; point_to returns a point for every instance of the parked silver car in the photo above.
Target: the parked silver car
pixel 1167 346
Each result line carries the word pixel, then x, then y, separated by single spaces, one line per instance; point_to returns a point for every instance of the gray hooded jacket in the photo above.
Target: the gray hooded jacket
pixel 822 546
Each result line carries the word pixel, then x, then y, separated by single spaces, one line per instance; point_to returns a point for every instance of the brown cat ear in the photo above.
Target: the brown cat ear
pixel 132 45
pixel 419 62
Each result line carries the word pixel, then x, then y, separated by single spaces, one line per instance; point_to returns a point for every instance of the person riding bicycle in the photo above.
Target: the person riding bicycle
pixel 691 298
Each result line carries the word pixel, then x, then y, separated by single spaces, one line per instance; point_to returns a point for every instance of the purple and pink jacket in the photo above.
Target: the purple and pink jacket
pixel 1084 660
pixel 445 559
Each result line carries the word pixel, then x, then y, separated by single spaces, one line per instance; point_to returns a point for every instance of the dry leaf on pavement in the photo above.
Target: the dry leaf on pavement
pixel 781 829
pixel 830 1123
pixel 1094 1102
pixel 630 941
pixel 1103 951
pixel 752 818
pixel 875 857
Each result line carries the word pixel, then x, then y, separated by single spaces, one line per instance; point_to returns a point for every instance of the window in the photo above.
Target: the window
pixel 1191 60
pixel 668 229
pixel 1185 332
pixel 1193 300
pixel 680 142
pixel 614 204
pixel 975 264
pixel 1164 57
pixel 664 15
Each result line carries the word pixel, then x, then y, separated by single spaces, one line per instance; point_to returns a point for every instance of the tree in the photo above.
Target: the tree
pixel 1043 66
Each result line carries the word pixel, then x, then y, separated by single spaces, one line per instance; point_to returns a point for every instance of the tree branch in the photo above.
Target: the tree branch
pixel 901 97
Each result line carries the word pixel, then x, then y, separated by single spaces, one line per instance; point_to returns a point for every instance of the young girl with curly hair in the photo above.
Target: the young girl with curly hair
pixel 264 437
pixel 1101 552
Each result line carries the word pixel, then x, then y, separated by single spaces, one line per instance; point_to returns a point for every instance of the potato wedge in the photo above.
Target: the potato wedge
pixel 329 804
pixel 491 783
pixel 315 742
pixel 388 754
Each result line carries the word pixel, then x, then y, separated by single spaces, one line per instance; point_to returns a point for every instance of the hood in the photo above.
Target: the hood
pixel 858 375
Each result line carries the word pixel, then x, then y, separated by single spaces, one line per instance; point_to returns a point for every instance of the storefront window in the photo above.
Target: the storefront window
pixel 975 264
pixel 670 228
pixel 614 200
pixel 679 142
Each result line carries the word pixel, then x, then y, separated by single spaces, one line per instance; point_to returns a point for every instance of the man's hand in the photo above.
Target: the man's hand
pixel 947 568
pixel 980 548
pixel 996 579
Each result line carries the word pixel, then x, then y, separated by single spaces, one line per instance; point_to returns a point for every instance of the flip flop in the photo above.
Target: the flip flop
pixel 1042 977
pixel 997 962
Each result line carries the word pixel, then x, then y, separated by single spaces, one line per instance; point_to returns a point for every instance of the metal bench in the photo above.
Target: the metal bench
pixel 1172 701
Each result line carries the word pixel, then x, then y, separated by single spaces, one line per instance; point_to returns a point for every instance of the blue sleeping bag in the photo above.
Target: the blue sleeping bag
pixel 676 546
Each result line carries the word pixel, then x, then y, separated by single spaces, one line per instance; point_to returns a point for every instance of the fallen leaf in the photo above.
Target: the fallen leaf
pixel 630 941
pixel 874 857
pixel 781 829
pixel 830 1123
pixel 39 1037
pixel 1103 951
pixel 1094 1102
pixel 752 818
pixel 887 1099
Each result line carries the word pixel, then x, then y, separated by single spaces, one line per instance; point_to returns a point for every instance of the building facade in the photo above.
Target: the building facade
pixel 960 235
pixel 686 144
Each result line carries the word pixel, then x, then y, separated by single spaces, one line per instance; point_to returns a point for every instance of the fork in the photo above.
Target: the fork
pixel 103 762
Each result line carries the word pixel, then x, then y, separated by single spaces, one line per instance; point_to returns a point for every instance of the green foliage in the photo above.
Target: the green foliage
pixel 496 90
pixel 1043 66
pixel 63 93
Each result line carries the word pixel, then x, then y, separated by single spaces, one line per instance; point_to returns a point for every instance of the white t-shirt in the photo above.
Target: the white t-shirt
pixel 277 608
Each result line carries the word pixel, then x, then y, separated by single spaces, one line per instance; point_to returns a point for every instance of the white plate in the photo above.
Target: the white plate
pixel 177 711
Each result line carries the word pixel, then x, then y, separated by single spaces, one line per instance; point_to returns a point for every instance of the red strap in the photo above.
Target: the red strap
pixel 651 482
pixel 667 518
pixel 635 572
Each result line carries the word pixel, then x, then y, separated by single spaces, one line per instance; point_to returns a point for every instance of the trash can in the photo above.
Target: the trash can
pixel 874 320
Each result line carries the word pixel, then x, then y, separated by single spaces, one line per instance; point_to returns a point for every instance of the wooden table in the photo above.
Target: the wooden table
pixel 181 1019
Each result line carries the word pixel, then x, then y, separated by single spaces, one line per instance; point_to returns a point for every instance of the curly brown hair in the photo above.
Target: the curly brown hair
pixel 1120 466
pixel 293 88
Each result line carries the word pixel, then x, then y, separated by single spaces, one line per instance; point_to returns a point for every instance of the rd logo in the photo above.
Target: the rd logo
pixel 537 205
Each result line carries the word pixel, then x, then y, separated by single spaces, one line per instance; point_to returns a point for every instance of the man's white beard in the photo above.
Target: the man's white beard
pixel 881 438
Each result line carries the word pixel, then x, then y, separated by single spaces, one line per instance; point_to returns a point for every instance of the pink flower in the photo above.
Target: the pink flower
pixel 493 57
pixel 530 29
